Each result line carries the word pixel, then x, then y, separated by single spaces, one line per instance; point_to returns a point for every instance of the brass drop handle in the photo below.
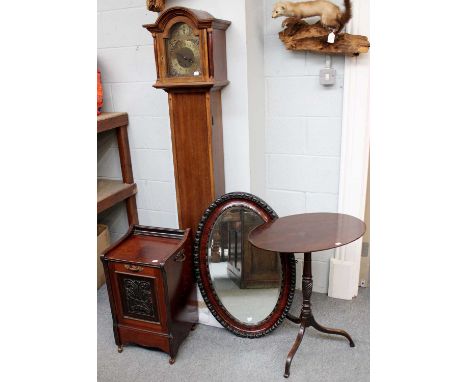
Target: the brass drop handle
pixel 180 257
pixel 133 268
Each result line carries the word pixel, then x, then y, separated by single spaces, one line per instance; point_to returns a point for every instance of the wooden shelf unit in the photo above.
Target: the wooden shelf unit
pixel 109 121
pixel 111 192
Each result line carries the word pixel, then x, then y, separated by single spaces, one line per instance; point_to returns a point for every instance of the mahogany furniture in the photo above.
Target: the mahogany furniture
pixel 307 233
pixel 111 192
pixel 232 207
pixel 190 54
pixel 150 280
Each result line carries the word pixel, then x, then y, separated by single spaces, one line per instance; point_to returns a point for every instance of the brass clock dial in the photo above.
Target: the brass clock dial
pixel 183 52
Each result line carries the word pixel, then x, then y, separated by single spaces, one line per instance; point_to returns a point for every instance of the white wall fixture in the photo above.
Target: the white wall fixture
pixel 340 280
pixel 354 157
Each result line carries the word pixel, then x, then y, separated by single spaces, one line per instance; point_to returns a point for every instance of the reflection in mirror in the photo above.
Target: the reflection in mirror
pixel 246 279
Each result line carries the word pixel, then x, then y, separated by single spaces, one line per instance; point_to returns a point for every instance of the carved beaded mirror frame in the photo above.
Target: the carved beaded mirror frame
pixel 248 290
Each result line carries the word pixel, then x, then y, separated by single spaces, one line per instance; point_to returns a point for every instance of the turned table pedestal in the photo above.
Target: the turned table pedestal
pixel 307 233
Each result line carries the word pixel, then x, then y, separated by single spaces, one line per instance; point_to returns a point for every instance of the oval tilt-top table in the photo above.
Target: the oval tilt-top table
pixel 307 233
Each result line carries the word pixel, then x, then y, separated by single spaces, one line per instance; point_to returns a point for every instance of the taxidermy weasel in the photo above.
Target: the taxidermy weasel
pixel 330 14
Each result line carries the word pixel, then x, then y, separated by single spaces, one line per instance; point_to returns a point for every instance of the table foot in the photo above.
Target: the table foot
pixel 323 329
pixel 293 350
pixel 296 320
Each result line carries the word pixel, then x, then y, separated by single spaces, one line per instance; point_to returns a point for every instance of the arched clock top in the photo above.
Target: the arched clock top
pixel 198 19
pixel 177 20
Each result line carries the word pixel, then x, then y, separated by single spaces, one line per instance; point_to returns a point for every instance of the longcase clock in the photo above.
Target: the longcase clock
pixel 190 52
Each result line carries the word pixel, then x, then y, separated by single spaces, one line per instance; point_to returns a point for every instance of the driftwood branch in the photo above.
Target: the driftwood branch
pixel 299 35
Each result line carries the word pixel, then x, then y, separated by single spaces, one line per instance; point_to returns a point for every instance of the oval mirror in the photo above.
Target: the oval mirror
pixel 248 290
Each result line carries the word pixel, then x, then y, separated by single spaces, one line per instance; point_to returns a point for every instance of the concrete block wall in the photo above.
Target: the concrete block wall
pixel 302 134
pixel 126 60
pixel 302 119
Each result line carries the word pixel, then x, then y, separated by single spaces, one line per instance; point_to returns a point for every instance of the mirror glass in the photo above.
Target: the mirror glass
pixel 246 279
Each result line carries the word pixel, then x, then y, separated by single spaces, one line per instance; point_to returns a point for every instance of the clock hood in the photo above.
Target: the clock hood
pixel 200 19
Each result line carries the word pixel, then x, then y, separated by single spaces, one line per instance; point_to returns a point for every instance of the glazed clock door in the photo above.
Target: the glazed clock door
pixel 183 52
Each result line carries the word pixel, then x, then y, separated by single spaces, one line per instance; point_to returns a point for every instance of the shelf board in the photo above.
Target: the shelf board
pixel 111 192
pixel 109 121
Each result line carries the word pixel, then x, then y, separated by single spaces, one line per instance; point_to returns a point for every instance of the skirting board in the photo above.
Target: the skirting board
pixel 204 315
pixel 341 280
pixel 364 274
pixel 206 318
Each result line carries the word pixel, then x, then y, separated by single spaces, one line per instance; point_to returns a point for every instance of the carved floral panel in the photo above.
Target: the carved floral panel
pixel 138 297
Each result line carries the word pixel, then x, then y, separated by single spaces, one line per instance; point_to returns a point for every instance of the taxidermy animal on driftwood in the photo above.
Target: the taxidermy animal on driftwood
pixel 298 35
pixel 330 14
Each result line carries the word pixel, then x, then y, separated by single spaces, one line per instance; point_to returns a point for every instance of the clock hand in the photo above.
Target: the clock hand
pixel 183 57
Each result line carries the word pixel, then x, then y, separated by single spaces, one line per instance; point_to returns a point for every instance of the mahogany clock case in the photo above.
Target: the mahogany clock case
pixel 191 66
pixel 247 290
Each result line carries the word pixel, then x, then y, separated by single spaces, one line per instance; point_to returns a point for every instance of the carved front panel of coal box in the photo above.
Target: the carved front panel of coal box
pixel 138 299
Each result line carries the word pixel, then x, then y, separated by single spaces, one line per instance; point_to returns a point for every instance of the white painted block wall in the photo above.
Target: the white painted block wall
pixel 302 118
pixel 126 60
pixel 303 135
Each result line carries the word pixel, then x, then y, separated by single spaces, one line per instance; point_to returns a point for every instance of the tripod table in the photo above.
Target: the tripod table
pixel 307 233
